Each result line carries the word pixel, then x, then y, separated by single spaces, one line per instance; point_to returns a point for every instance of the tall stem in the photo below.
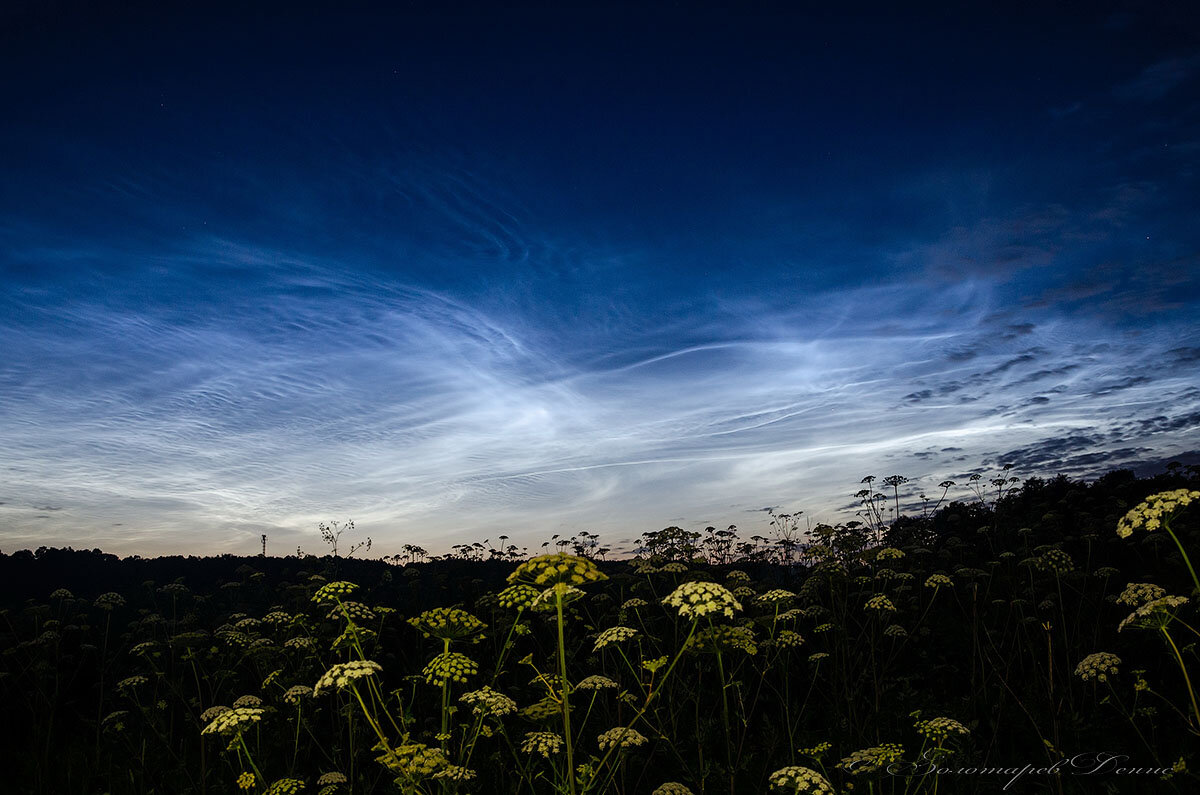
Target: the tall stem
pixel 566 705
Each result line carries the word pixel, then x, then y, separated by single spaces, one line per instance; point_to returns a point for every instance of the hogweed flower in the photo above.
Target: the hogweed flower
pixel 246 781
pixel 210 714
pixel 789 639
pixel 1153 615
pixel 674 567
pixel 881 603
pixel 247 701
pixel 544 743
pixel 449 623
pixel 285 786
pixel 1099 665
pixel 696 599
pixel 1137 594
pixel 455 773
pixel 449 667
pixel 109 601
pixel 1156 509
pixel 895 631
pixel 234 721
pixel 938 729
pixel 671 788
pixel 722 637
pixel 559 567
pixel 518 596
pixel 596 682
pixel 132 682
pixel 352 611
pixel 331 778
pixel 938 581
pixel 295 693
pixel 412 761
pixel 796 779
pixel 889 553
pixel 486 701
pixel 621 738
pixel 869 760
pixel 613 635
pixel 342 674
pixel 1056 561
pixel 333 592
pixel 302 643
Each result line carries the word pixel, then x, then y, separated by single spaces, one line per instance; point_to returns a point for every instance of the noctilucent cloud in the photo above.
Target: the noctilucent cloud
pixel 455 273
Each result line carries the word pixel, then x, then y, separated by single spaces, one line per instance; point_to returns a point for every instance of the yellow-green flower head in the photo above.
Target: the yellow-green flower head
pixel 789 639
pixel 248 624
pixel 795 779
pixel 1137 594
pixel 146 648
pixel 674 567
pixel 1057 561
pixel 277 617
pixel 544 743
pixel 895 631
pixel 518 596
pixel 634 603
pixel 1099 666
pixel 938 581
pixel 413 761
pixel 723 637
pixel 1155 614
pixel 869 760
pixel 234 721
pixel 272 678
pixel 455 773
pixel 131 682
pixel 110 600
pixel 1106 571
pixel 331 778
pixel 881 603
pixel 247 701
pixel 333 592
pixel 938 729
pixel 889 553
pixel 816 658
pixel 696 599
pixel 301 643
pixel 449 623
pixel 776 596
pixel 817 751
pixel 621 738
pixel 486 701
pixel 352 611
pixel 62 593
pixel 246 781
pixel 1154 510
pixel 823 627
pixel 596 682
pixel 614 635
pixel 547 600
pixel 737 576
pixel 296 693
pixel 210 714
pixel 285 786
pixel 547 570
pixel 744 592
pixel 342 674
pixel 449 667
pixel 671 788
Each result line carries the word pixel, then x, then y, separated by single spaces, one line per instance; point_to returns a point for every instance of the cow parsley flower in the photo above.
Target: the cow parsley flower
pixel 796 779
pixel 1154 510
pixel 696 599
pixel 1099 665
pixel 234 721
pixel 544 743
pixel 938 729
pixel 621 738
pixel 486 701
pixel 1137 594
pixel 449 623
pixel 547 570
pixel 333 592
pixel 869 760
pixel 343 674
pixel 449 667
pixel 613 635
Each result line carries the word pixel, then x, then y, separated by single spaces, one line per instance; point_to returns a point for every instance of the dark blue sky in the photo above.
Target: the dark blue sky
pixel 453 271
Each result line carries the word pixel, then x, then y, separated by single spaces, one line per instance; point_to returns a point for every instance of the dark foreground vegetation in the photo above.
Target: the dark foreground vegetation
pixel 1042 639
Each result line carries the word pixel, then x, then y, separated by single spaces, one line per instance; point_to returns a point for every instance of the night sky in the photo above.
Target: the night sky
pixel 453 272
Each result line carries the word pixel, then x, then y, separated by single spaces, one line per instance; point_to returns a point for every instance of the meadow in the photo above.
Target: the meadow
pixel 1026 637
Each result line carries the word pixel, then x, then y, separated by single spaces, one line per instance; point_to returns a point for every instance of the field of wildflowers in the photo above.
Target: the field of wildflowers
pixel 1042 640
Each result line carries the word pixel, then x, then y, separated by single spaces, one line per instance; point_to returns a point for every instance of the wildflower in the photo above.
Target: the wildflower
pixel 1098 666
pixel 744 592
pixel 596 682
pixel 793 614
pixel 1056 561
pixel 333 592
pixel 823 627
pixel 816 751
pixel 449 667
pixel 737 575
pixel 247 701
pixel 1106 571
pixel 234 721
pixel 343 674
pixel 881 603
pixel 696 599
pixel 519 596
pixel 412 760
pixel 621 738
pixel 634 603
pixel 547 600
pixel 245 781
pixel 210 714
pixel 895 631
pixel 869 760
pixel 143 648
pixel 455 773
pixel 544 743
pixel 486 701
pixel 352 611
pixel 297 692
pixel 1156 509
pixel 1157 613
pixel 285 786
pixel 789 639
pixel 723 637
pixel 613 635
pixel 671 788
pixel 938 581
pixel 449 623
pixel 795 779
pixel 248 624
pixel 114 722
pixel 817 657
pixel 938 729
pixel 131 682
pixel 1137 594
pixel 331 778
pixel 674 567
pixel 889 553
pixel 301 643
pixel 62 593
pixel 109 601
pixel 546 570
